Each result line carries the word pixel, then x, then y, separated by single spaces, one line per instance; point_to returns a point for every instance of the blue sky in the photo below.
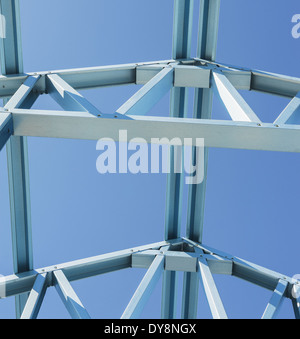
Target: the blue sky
pixel 252 197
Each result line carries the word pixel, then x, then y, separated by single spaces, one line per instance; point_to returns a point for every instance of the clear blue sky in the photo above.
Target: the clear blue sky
pixel 252 206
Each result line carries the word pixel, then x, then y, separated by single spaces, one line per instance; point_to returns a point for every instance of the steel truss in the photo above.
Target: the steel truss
pixel 82 120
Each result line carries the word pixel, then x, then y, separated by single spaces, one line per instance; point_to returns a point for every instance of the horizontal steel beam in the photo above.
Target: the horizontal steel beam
pixel 182 261
pixel 76 270
pixel 250 272
pixel 221 134
pixel 193 74
pixel 276 84
pixel 264 82
pixel 79 78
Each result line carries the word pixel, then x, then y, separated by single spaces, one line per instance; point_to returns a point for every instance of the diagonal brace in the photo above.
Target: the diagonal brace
pixel 67 97
pixel 69 297
pixel 6 128
pixel 276 301
pixel 236 106
pixel 291 114
pixel 25 95
pixel 211 291
pixel 145 289
pixel 36 297
pixel 150 94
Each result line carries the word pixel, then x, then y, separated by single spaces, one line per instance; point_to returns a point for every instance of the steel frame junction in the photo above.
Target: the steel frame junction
pixel 81 120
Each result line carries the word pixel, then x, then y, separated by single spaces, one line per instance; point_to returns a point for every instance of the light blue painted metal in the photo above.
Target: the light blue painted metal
pixel 141 73
pixel 145 289
pixel 11 47
pixel 181 49
pixel 190 295
pixel 291 114
pixel 211 291
pixel 182 261
pixel 218 262
pixel 12 63
pixel 217 133
pixel 24 96
pixel 296 304
pixel 67 97
pixel 276 301
pixel 63 85
pixel 6 128
pixel 36 297
pixel 207 42
pixel 246 270
pixel 69 297
pixel 208 29
pixel 150 94
pixel 275 84
pixel 207 45
pixel 237 107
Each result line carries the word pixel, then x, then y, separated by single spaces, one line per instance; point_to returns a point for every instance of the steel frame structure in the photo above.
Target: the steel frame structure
pixel 81 120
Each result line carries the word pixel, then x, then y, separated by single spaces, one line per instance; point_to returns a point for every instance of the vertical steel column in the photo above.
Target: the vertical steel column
pixel 11 63
pixel 207 44
pixel 182 37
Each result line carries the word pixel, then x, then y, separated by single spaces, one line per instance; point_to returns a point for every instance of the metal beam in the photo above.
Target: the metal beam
pixel 12 63
pixel 276 301
pixel 189 73
pixel 11 47
pixel 246 270
pixel 208 29
pixel 217 133
pixel 291 114
pixel 69 297
pixel 24 96
pixel 211 291
pixel 236 106
pixel 150 94
pixel 296 300
pixel 145 289
pixel 182 261
pixel 36 297
pixel 207 42
pixel 275 84
pixel 67 97
pixel 6 128
pixel 190 295
pixel 79 269
pixel 181 49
